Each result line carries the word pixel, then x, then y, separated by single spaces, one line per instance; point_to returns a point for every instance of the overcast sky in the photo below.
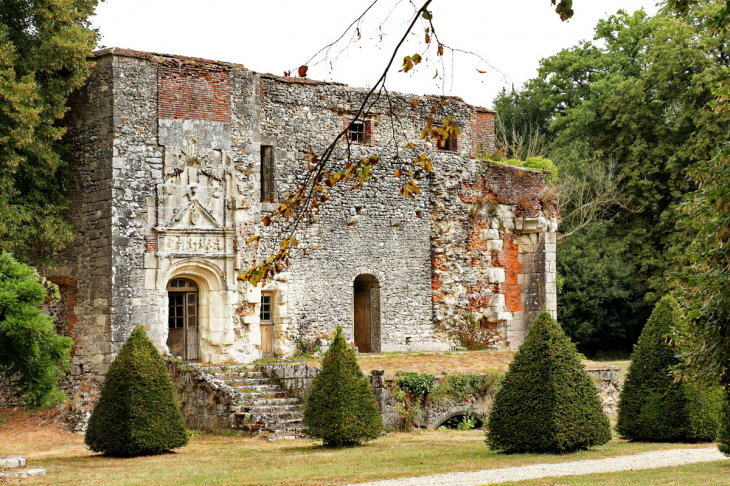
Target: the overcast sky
pixel 511 36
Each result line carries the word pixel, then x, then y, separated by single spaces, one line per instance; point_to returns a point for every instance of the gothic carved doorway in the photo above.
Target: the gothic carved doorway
pixel 367 313
pixel 182 337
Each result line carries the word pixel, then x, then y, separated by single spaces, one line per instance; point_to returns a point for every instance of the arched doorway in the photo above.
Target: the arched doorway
pixel 367 313
pixel 182 337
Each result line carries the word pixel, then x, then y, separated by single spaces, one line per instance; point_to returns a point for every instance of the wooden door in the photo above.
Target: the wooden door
pixel 267 340
pixel 362 320
pixel 182 337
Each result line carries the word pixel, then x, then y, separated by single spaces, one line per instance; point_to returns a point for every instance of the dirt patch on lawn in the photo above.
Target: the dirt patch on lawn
pixel 37 435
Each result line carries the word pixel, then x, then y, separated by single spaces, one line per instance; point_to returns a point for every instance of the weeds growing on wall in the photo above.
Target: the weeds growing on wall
pixel 413 390
pixel 472 333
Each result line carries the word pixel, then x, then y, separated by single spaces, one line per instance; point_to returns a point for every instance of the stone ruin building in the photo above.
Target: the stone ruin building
pixel 176 160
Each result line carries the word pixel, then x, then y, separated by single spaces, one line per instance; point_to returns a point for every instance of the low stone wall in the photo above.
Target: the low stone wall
pixel 433 412
pixel 609 386
pixel 295 378
pixel 207 404
pixel 7 395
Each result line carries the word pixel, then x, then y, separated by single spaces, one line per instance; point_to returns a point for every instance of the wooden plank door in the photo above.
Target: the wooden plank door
pixel 267 340
pixel 362 320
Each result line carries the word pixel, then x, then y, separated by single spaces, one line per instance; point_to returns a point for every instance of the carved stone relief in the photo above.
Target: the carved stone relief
pixel 196 183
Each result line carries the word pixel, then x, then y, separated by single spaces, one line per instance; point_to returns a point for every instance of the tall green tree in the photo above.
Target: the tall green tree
pixel 32 355
pixel 43 49
pixel 638 94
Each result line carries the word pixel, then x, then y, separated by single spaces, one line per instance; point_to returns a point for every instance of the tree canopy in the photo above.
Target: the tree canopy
pixel 43 50
pixel 636 97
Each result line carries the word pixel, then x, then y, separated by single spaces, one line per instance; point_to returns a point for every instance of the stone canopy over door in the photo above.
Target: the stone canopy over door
pixel 367 313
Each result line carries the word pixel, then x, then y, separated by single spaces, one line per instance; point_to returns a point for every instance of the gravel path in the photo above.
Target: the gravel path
pixel 646 460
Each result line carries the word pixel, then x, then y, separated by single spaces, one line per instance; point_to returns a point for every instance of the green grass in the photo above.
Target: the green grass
pixel 715 473
pixel 217 460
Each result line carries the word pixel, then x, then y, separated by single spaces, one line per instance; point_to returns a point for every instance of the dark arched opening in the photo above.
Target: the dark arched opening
pixel 462 422
pixel 367 313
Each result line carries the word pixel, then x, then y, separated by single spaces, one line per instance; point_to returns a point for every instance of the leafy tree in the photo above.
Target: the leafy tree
pixel 652 405
pixel 32 355
pixel 136 413
pixel 637 95
pixel 600 302
pixel 341 407
pixel 547 402
pixel 43 50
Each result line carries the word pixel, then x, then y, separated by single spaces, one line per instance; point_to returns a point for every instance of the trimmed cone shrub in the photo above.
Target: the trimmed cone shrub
pixel 723 433
pixel 652 406
pixel 547 402
pixel 341 407
pixel 136 413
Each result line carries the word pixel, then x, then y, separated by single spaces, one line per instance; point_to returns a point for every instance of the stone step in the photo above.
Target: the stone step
pixel 249 382
pixel 282 431
pixel 286 436
pixel 12 462
pixel 228 368
pixel 27 472
pixel 257 388
pixel 252 395
pixel 269 418
pixel 270 408
pixel 236 375
pixel 273 401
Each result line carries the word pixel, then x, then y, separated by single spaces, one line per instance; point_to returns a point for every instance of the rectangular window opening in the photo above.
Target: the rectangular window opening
pixel 449 144
pixel 357 132
pixel 265 315
pixel 268 188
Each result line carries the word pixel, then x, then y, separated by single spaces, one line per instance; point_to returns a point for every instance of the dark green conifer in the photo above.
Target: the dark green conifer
pixel 136 413
pixel 723 433
pixel 341 407
pixel 547 402
pixel 652 405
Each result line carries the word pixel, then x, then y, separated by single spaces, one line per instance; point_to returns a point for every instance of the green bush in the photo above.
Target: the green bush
pixel 341 407
pixel 32 355
pixel 415 383
pixel 136 413
pixel 652 406
pixel 547 402
pixel 723 433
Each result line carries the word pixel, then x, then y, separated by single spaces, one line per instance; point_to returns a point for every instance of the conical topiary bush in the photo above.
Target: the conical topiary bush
pixel 547 402
pixel 652 406
pixel 136 413
pixel 723 432
pixel 341 407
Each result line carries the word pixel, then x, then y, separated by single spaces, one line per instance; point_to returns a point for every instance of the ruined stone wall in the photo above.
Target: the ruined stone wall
pixel 371 231
pixel 493 247
pixel 84 268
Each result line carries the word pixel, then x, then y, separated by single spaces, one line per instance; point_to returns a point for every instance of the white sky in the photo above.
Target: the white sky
pixel 278 35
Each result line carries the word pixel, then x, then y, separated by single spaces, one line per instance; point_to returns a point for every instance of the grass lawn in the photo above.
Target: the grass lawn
pixel 715 473
pixel 218 460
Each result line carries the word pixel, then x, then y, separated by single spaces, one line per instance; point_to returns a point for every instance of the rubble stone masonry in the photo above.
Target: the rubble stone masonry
pixel 167 169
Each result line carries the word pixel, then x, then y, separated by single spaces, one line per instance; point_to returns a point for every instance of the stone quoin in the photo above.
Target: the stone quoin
pixel 174 162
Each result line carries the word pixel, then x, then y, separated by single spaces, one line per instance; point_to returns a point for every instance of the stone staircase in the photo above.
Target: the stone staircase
pixel 263 407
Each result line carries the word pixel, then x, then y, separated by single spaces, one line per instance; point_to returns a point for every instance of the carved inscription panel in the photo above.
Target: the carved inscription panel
pixel 195 244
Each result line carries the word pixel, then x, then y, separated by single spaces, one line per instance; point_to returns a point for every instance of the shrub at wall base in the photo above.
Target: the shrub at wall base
pixel 547 402
pixel 652 406
pixel 341 407
pixel 136 413
pixel 32 355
